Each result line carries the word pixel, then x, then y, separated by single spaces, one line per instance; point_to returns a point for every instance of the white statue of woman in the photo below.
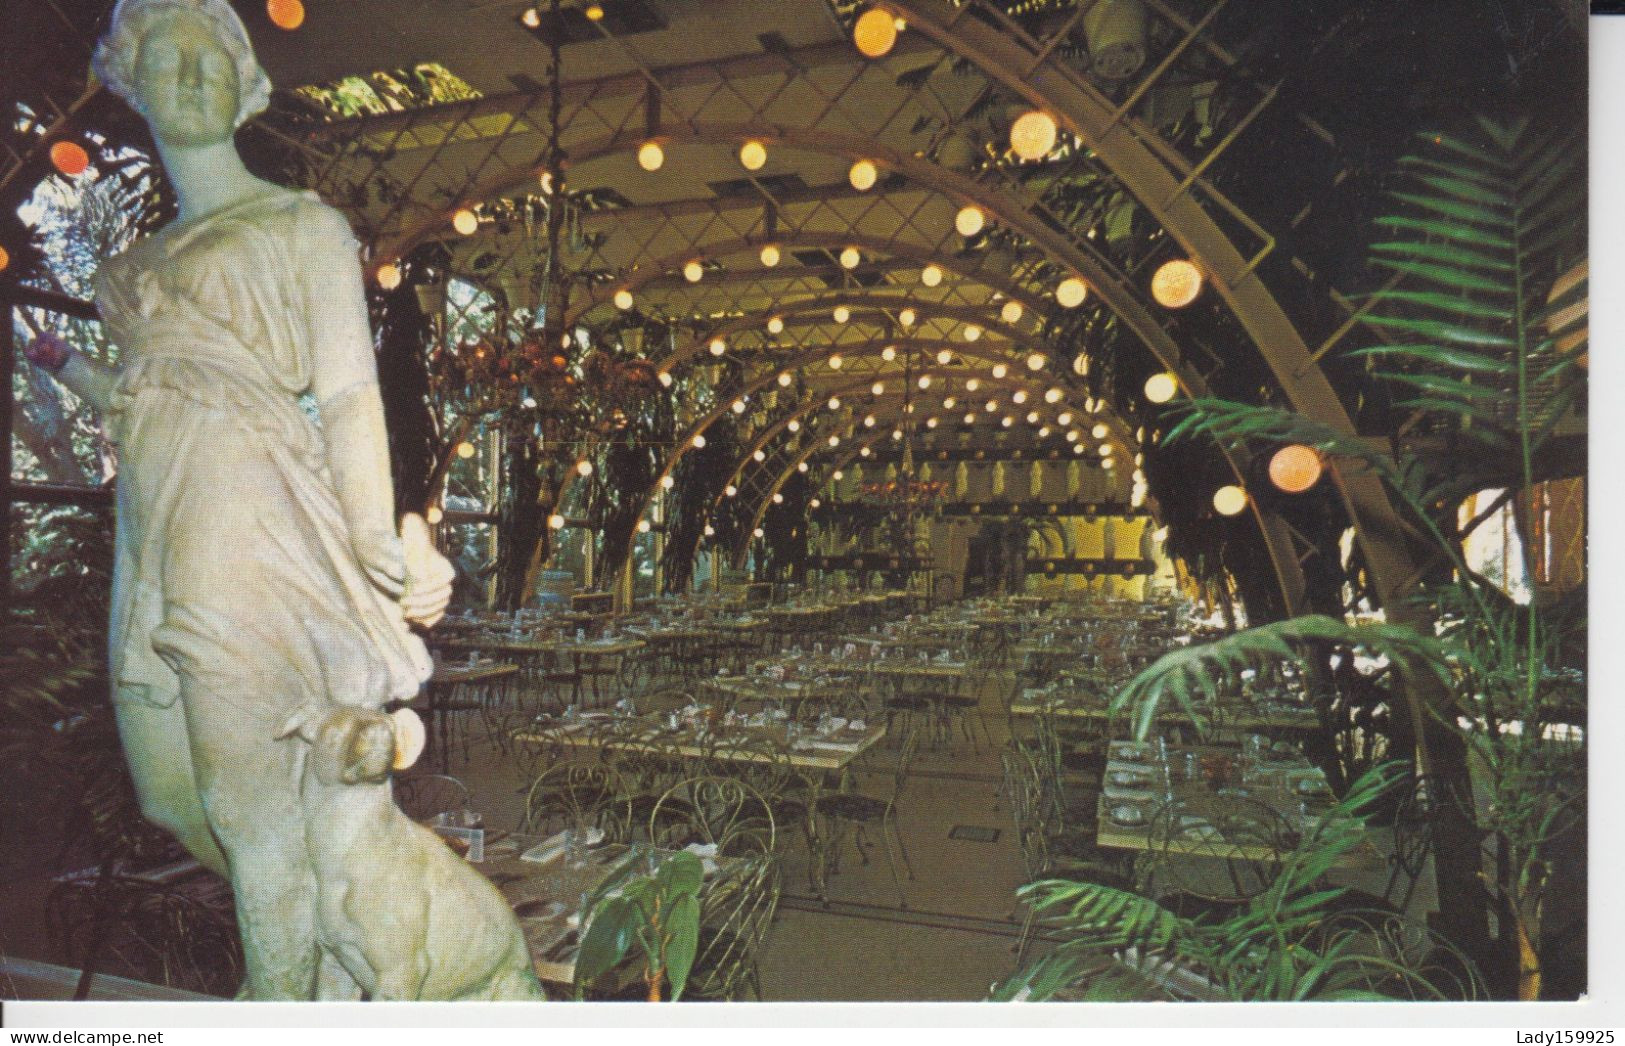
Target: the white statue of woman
pixel 258 566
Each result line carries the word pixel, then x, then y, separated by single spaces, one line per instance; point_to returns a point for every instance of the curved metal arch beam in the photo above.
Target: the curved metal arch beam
pixel 1031 381
pixel 1114 291
pixel 1120 434
pixel 858 301
pixel 784 476
pixel 885 417
pixel 1001 54
pixel 875 246
pixel 927 346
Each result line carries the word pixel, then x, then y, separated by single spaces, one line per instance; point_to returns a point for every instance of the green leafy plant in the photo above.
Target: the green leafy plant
pixel 1481 343
pixel 657 914
pixel 1281 946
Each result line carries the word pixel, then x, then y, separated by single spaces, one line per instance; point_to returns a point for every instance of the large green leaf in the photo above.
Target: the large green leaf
pixel 609 938
pixel 680 875
pixel 682 932
pixel 1441 356
pixel 1450 208
pixel 1443 275
pixel 1446 331
pixel 1448 230
pixel 1451 254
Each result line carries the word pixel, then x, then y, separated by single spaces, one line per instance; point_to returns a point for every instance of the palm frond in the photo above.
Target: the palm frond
pixel 1188 676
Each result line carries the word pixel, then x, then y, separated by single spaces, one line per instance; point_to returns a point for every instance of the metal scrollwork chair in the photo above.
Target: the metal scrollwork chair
pixel 860 812
pixel 422 796
pixel 739 899
pixel 578 796
pixel 1214 852
pixel 1384 953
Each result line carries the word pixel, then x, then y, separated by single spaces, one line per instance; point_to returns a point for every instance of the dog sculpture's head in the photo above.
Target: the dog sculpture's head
pixel 352 745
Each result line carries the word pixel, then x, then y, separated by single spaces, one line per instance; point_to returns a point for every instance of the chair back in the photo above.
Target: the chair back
pixel 1219 848
pixel 423 796
pixel 577 796
pixel 712 810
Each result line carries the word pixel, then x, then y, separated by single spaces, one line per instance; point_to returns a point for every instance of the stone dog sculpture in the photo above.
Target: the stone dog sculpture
pixel 395 905
pixel 258 566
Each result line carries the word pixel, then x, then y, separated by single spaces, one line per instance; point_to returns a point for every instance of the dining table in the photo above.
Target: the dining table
pixel 443 695
pixel 1093 702
pixel 550 891
pixel 1142 778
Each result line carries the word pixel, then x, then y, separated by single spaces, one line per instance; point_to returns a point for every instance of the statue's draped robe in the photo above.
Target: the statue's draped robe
pixel 234 567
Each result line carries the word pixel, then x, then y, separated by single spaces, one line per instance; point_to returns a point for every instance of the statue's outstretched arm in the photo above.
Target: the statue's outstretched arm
pixel 91 380
pixel 344 382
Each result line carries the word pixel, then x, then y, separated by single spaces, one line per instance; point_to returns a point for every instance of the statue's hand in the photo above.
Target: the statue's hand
pixel 383 557
pixel 48 351
pixel 429 575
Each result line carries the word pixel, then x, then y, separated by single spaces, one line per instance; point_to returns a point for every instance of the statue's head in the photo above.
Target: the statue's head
pixel 186 66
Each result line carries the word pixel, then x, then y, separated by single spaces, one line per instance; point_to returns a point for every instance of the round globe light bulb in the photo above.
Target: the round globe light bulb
pixel 1295 468
pixel 863 175
pixel 1036 361
pixel 651 156
pixel 850 258
pixel 752 155
pixel 770 255
pixel 465 221
pixel 285 14
pixel 698 442
pixel 1070 292
pixel 718 346
pixel 1032 135
pixel 1160 388
pixel 388 275
pixel 1176 283
pixel 775 325
pixel 931 275
pixel 969 220
pixel 555 521
pixel 1011 311
pixel 874 33
pixel 583 468
pixel 465 450
pixel 693 271
pixel 841 314
pixel 623 299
